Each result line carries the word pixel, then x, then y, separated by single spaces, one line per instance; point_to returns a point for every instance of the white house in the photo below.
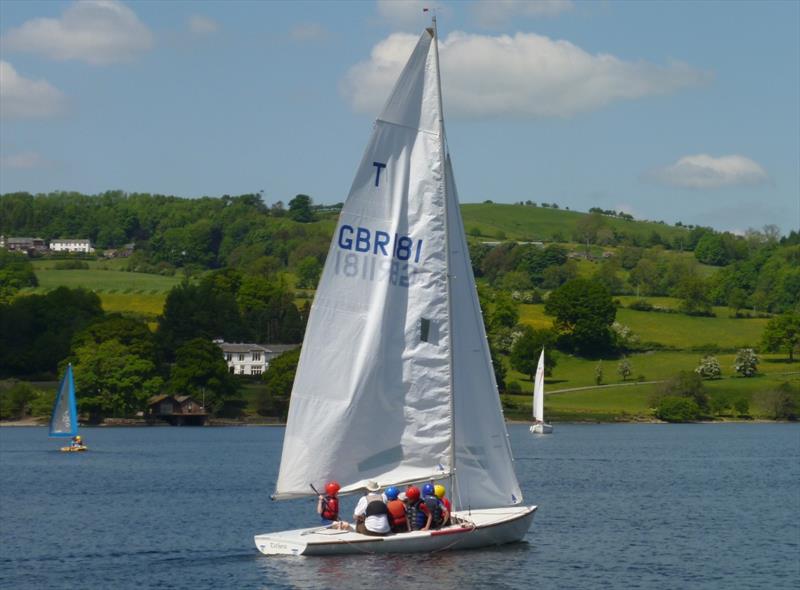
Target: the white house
pixel 84 246
pixel 250 359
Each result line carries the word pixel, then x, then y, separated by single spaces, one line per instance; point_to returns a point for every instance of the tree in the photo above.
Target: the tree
pixel 112 380
pixel 694 293
pixel 746 363
pixel 709 368
pixel 308 272
pixel 598 373
pixel 781 403
pixel 583 313
pixel 677 409
pixel 300 209
pixel 684 384
pixel 624 369
pixel 200 370
pixel 280 378
pixel 525 351
pixel 506 312
pixel 782 333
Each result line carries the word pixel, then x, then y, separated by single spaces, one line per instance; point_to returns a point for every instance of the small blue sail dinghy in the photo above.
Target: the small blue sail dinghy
pixel 64 419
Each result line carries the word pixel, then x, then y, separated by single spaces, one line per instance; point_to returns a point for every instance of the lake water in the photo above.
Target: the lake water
pixel 621 506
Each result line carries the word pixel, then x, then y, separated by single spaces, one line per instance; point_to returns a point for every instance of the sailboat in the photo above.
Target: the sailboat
pixel 539 426
pixel 395 383
pixel 64 419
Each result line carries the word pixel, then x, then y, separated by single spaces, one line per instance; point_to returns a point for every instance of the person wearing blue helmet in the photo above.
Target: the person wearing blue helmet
pixel 398 519
pixel 433 508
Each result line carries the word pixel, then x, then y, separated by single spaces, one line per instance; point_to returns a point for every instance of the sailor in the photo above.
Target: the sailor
pixel 397 510
pixel 371 513
pixel 328 505
pixel 417 519
pixel 77 441
pixel 440 492
pixel 433 508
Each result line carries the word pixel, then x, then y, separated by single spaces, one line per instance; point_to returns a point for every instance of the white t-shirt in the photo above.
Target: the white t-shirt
pixel 376 524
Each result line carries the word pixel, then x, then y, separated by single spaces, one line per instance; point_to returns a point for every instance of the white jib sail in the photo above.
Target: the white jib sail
pixel 538 391
pixel 484 466
pixel 371 398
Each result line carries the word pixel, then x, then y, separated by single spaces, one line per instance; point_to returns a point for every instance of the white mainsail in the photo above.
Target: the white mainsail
pixel 379 394
pixel 538 391
pixel 371 398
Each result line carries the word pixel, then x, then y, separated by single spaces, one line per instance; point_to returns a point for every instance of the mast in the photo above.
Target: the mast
pixel 447 261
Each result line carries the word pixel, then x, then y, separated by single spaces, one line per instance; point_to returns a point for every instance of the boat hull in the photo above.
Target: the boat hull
pixel 542 428
pixel 488 527
pixel 73 449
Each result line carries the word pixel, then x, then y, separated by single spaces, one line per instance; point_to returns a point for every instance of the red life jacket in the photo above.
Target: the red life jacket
pixel 330 508
pixel 397 513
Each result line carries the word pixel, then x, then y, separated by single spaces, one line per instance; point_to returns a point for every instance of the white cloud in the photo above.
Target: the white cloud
pixel 22 98
pixel 308 32
pixel 406 14
pixel 202 25
pixel 703 172
pixel 22 161
pixel 524 75
pixel 494 13
pixel 98 32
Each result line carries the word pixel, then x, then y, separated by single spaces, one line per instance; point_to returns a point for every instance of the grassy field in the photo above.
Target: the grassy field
pixel 519 222
pixel 673 330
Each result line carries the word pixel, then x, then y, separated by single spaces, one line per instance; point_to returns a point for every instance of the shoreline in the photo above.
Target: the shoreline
pixel 227 423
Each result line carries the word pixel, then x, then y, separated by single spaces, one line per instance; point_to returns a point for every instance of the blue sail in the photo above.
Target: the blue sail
pixel 64 420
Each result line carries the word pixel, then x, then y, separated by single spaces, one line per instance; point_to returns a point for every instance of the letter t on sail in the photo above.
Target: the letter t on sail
pixel 378 167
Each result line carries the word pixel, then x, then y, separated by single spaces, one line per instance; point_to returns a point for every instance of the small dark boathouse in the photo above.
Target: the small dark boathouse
pixel 177 410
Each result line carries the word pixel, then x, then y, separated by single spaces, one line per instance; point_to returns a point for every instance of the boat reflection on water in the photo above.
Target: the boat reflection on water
pixel 446 569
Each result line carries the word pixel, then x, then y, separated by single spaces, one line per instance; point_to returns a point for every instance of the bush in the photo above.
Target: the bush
pixel 685 384
pixel 709 368
pixel 71 265
pixel 677 409
pixel 641 305
pixel 746 363
pixel 514 387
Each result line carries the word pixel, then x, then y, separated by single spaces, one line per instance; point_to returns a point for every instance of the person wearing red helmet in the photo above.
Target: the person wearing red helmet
pixel 417 518
pixel 328 505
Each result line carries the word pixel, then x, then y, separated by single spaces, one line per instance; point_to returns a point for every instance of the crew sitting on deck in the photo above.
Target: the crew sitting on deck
pixel 397 510
pixel 440 492
pixel 433 508
pixel 77 441
pixel 371 513
pixel 328 506
pixel 417 519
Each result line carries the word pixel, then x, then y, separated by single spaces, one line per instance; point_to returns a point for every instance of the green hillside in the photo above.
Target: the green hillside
pixel 525 222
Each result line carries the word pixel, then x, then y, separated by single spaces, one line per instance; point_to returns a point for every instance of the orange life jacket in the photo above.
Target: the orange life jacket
pixel 397 513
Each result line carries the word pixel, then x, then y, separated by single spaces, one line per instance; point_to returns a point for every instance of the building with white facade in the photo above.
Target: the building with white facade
pixel 82 246
pixel 250 359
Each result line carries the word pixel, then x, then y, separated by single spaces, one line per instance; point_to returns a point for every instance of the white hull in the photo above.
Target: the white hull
pixel 542 428
pixel 490 526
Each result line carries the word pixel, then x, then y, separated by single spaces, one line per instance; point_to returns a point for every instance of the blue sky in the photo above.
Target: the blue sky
pixel 667 110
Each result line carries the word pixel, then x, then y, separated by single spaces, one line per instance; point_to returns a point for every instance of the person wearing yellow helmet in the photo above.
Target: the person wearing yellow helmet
pixel 440 491
pixel 77 441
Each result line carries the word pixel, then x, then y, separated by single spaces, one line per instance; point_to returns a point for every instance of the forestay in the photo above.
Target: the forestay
pixel 64 419
pixel 371 398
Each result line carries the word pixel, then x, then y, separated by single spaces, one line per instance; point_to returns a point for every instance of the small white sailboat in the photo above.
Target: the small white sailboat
pixel 395 382
pixel 64 419
pixel 539 426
